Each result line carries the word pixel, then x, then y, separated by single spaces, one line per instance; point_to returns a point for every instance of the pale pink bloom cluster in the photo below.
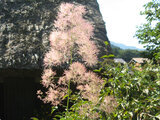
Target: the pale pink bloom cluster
pixel 55 92
pixel 47 77
pixel 75 73
pixel 91 89
pixel 109 104
pixel 87 82
pixel 52 56
pixel 55 95
pixel 72 34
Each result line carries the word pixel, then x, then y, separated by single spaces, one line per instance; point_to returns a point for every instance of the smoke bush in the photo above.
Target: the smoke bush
pixel 71 38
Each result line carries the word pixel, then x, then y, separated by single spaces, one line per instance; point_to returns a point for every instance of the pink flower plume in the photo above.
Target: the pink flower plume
pixel 47 77
pixel 72 33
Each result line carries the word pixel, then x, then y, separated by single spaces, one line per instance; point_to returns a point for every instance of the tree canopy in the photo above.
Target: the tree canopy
pixel 149 32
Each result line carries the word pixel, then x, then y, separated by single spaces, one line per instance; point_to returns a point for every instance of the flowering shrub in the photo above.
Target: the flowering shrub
pixel 78 86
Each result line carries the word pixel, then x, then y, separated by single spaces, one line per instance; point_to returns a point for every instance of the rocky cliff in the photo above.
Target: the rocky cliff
pixel 26 25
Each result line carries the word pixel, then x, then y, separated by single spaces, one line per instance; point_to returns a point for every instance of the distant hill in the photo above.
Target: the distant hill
pixel 128 53
pixel 122 46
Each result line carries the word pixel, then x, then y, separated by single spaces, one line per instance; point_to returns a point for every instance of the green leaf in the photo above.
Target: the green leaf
pixel 98 70
pixel 108 56
pixel 65 96
pixel 34 118
pixel 53 109
pixel 59 116
pixel 106 43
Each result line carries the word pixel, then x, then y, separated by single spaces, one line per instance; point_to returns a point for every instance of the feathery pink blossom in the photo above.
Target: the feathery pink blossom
pixel 53 57
pixel 67 14
pixel 89 53
pixel 39 94
pixel 55 95
pixel 72 33
pixel 75 73
pixel 87 82
pixel 91 88
pixel 47 77
pixel 109 104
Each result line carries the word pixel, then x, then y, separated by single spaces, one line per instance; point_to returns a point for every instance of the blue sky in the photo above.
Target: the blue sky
pixel 121 18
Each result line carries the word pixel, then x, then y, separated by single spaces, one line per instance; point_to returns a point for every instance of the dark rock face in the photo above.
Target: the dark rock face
pixel 25 27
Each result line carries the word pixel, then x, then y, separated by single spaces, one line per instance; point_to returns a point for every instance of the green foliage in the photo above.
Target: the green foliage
pixel 136 91
pixel 149 33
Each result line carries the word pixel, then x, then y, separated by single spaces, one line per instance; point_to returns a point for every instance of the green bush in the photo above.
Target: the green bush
pixel 137 92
